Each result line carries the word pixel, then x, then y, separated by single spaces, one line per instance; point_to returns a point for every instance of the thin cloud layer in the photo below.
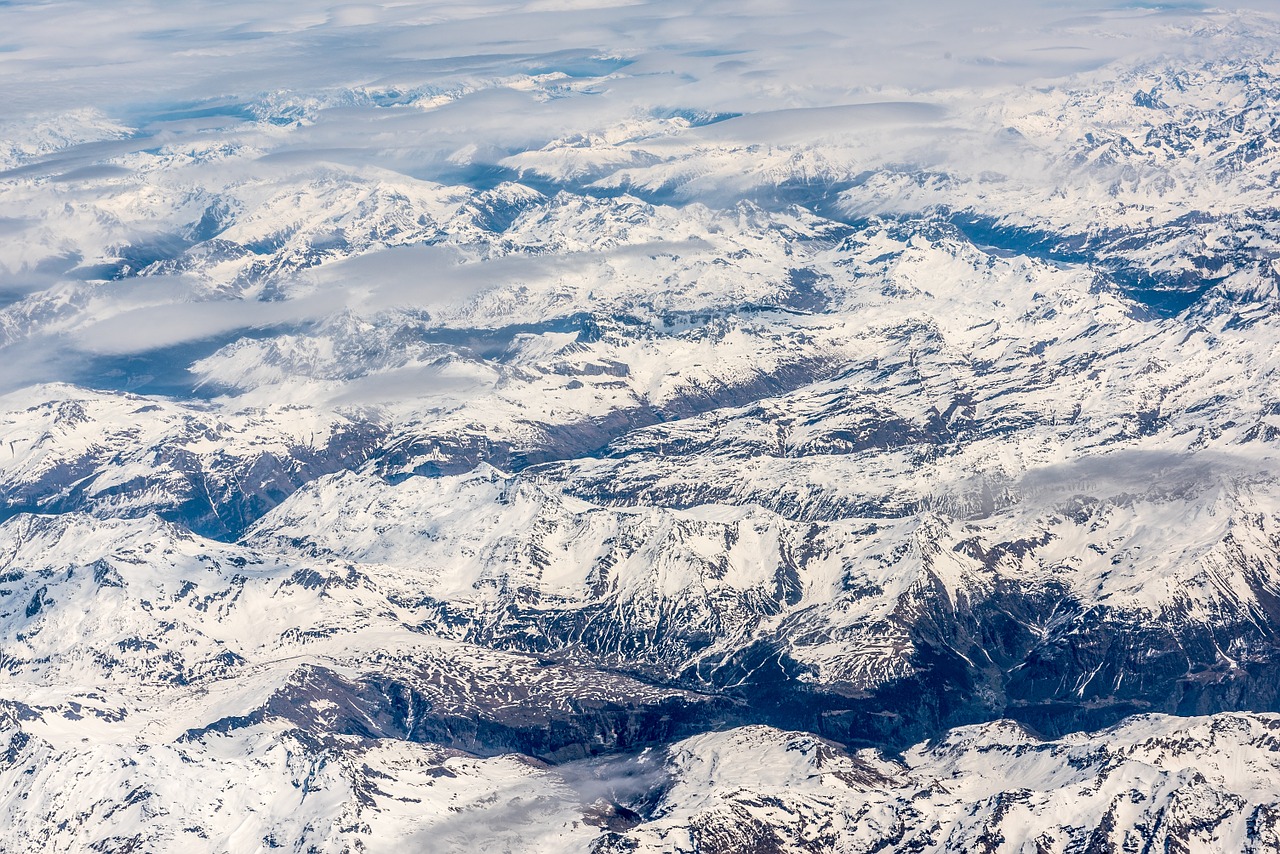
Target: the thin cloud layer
pixel 146 56
pixel 102 102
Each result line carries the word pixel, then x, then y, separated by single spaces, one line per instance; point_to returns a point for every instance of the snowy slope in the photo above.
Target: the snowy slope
pixel 1198 784
pixel 1202 784
pixel 497 442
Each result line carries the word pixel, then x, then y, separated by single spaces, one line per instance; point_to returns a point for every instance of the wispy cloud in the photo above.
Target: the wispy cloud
pixel 530 812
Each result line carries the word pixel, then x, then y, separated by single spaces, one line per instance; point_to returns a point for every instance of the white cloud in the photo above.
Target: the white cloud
pixel 430 88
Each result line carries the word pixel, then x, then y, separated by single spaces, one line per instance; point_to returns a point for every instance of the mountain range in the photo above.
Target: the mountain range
pixel 900 475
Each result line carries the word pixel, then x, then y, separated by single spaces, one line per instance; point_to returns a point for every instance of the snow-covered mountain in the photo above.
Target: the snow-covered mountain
pixel 562 448
pixel 1179 784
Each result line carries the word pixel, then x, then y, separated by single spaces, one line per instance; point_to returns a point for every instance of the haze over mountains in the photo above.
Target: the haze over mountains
pixel 639 427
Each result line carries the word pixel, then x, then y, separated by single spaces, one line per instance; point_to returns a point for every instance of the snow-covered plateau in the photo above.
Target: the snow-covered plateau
pixel 625 427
